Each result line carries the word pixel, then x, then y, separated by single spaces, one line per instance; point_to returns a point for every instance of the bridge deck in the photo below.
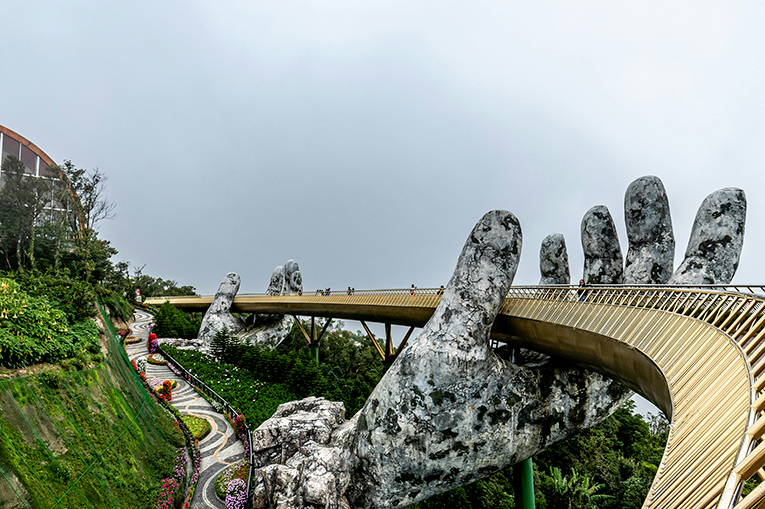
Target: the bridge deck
pixel 697 353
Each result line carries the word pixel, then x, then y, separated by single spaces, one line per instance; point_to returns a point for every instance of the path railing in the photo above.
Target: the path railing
pixel 210 393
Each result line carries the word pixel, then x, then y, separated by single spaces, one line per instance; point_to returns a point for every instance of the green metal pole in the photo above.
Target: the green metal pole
pixel 523 482
pixel 314 349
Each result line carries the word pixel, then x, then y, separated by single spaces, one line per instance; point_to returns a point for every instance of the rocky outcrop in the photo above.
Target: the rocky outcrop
pixel 651 253
pixel 277 281
pixel 447 412
pixel 716 240
pixel 218 315
pixel 295 465
pixel 603 263
pixel 553 261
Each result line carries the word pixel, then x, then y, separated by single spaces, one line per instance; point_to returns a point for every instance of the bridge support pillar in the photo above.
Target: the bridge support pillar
pixel 523 483
pixel 314 350
pixel 313 339
pixel 390 352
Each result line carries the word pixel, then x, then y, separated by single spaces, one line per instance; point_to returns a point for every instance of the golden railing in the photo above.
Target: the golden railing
pixel 696 352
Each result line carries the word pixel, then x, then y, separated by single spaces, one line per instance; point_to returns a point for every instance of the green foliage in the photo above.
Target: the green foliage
pixel 219 346
pixel 96 428
pixel 71 295
pixel 158 287
pixel 170 322
pixel 32 330
pixel 198 426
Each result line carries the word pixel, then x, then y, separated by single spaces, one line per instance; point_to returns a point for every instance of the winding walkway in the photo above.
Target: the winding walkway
pixel 220 447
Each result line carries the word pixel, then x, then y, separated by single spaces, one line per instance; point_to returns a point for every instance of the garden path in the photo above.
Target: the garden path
pixel 220 447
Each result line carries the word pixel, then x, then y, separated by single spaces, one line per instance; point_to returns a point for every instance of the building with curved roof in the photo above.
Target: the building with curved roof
pixel 36 164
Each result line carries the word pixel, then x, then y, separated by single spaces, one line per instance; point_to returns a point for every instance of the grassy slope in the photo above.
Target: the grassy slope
pixel 91 438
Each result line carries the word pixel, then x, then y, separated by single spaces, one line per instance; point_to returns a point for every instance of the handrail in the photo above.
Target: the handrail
pixel 191 378
pixel 757 290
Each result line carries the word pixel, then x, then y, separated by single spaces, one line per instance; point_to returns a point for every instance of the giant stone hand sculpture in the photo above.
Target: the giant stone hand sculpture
pixel 269 330
pixel 447 412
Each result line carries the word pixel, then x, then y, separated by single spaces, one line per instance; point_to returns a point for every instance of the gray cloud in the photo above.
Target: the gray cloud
pixel 365 141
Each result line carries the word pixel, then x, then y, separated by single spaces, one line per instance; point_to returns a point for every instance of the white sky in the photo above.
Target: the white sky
pixel 365 140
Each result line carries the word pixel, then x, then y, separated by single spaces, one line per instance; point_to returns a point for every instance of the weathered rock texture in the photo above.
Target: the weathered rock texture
pixel 447 412
pixel 295 465
pixel 269 334
pixel 218 315
pixel 277 281
pixel 293 280
pixel 603 263
pixel 651 253
pixel 553 261
pixel 716 240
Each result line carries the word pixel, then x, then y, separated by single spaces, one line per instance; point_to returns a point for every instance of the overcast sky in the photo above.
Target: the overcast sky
pixel 365 139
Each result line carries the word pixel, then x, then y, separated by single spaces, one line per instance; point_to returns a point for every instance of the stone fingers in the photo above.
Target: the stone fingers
pixel 553 261
pixel 603 263
pixel 716 240
pixel 651 252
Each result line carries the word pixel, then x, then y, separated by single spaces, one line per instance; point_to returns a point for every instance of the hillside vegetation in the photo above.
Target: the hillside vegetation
pixel 81 432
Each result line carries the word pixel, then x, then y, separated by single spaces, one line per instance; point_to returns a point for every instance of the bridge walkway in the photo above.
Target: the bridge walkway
pixel 698 353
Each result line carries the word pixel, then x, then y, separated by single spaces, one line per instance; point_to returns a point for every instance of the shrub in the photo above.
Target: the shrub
pixel 239 470
pixel 32 330
pixel 198 426
pixel 156 359
pixel 173 323
pixel 53 378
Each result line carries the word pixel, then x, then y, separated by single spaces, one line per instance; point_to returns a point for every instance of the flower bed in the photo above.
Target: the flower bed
pixel 239 470
pixel 172 486
pixel 151 343
pixel 156 359
pixel 198 426
pixel 131 340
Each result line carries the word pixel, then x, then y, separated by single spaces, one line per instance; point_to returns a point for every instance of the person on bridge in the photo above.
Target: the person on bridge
pixel 581 293
pixel 414 289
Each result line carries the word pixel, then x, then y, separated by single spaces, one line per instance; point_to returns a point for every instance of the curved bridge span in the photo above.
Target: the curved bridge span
pixel 698 353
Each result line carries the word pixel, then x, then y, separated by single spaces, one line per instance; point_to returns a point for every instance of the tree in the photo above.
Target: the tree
pixel 86 205
pixel 22 202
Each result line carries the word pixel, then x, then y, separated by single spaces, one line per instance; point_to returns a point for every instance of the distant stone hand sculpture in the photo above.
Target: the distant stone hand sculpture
pixel 447 412
pixel 713 251
pixel 277 281
pixel 218 315
pixel 269 330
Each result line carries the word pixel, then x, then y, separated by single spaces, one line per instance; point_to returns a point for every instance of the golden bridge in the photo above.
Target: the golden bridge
pixel 697 353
